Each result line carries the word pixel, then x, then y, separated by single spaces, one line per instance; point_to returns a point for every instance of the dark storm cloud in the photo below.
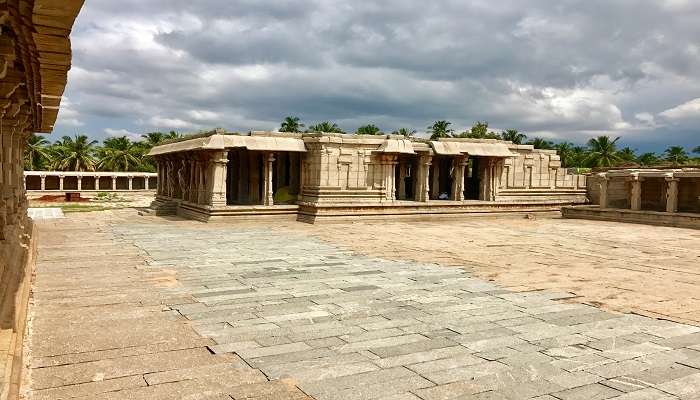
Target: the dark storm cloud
pixel 566 69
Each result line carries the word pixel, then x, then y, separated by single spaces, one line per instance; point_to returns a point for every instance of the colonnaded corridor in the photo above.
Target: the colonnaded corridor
pixel 131 307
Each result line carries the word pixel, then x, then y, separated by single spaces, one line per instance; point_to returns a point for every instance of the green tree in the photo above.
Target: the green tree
pixel 120 154
pixel 404 132
pixel 440 129
pixel 627 154
pixel 153 139
pixel 603 152
pixel 565 151
pixel 291 124
pixel 513 135
pixel 368 130
pixel 36 154
pixel 172 135
pixel 480 130
pixel 578 156
pixel 540 143
pixel 676 155
pixel 74 154
pixel 326 127
pixel 696 150
pixel 648 159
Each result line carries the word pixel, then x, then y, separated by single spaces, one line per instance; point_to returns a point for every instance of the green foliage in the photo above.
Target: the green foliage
pixel 648 159
pixel 121 154
pixel 291 124
pixel 696 150
pixel 404 132
pixel 36 155
pixel 440 129
pixel 676 155
pixel 627 154
pixel 603 152
pixel 543 144
pixel 73 154
pixel 513 135
pixel 368 130
pixel 325 127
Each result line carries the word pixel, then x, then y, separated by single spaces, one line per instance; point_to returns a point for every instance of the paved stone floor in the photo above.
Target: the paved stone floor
pixel 131 307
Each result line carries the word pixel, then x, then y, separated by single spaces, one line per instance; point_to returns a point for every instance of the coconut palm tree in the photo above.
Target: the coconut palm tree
pixel 326 127
pixel 627 154
pixel 405 132
pixel 513 135
pixel 172 135
pixel 676 155
pixel 440 129
pixel 540 143
pixel 74 154
pixel 368 130
pixel 603 152
pixel 565 150
pixel 696 150
pixel 578 156
pixel 153 139
pixel 648 159
pixel 36 154
pixel 120 154
pixel 291 124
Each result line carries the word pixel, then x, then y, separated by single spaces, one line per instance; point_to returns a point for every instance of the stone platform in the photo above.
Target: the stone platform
pixel 177 309
pixel 679 220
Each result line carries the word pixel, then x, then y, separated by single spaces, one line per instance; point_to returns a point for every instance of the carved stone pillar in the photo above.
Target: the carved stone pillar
pixel 422 191
pixel 114 183
pixel 435 181
pixel 80 183
pixel 636 194
pixel 60 182
pixel 217 178
pixel 202 184
pixel 268 195
pixel 145 182
pixel 672 194
pixel 459 164
pixel 97 183
pixel 43 182
pixel 603 187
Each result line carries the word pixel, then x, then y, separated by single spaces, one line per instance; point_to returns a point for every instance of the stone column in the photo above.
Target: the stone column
pixel 80 183
pixel 24 180
pixel 217 178
pixel 202 183
pixel 459 164
pixel 114 183
pixel 253 178
pixel 422 191
pixel 268 195
pixel 97 183
pixel 131 183
pixel 636 194
pixel 401 184
pixel 672 194
pixel 435 181
pixel 60 182
pixel 145 182
pixel 603 186
pixel 43 182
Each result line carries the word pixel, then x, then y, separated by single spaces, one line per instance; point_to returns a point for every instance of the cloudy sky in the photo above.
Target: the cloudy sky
pixel 564 70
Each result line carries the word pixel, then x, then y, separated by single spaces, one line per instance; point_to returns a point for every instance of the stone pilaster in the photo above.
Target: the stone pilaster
pixel 422 191
pixel 672 194
pixel 268 195
pixel 635 193
pixel 217 178
pixel 603 188
pixel 459 164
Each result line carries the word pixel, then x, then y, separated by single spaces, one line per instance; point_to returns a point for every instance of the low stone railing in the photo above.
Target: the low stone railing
pixel 63 181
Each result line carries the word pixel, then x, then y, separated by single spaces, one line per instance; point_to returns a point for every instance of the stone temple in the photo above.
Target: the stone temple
pixel 324 176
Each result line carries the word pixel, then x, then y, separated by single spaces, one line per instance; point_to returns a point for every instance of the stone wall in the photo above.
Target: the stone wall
pixel 35 57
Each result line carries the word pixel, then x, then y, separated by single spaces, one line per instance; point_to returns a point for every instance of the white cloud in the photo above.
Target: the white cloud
pixel 68 116
pixel 686 111
pixel 171 123
pixel 122 132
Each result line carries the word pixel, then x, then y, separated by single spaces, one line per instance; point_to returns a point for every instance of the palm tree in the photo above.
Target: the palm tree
pixel 36 154
pixel 172 135
pixel 120 154
pixel 74 154
pixel 291 124
pixel 578 156
pixel 565 150
pixel 603 152
pixel 440 129
pixel 676 155
pixel 648 159
pixel 325 126
pixel 513 135
pixel 368 130
pixel 540 143
pixel 627 154
pixel 153 139
pixel 405 132
pixel 696 150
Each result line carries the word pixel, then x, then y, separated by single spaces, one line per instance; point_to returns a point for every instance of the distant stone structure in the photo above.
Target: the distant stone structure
pixel 35 56
pixel 64 181
pixel 322 176
pixel 651 196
